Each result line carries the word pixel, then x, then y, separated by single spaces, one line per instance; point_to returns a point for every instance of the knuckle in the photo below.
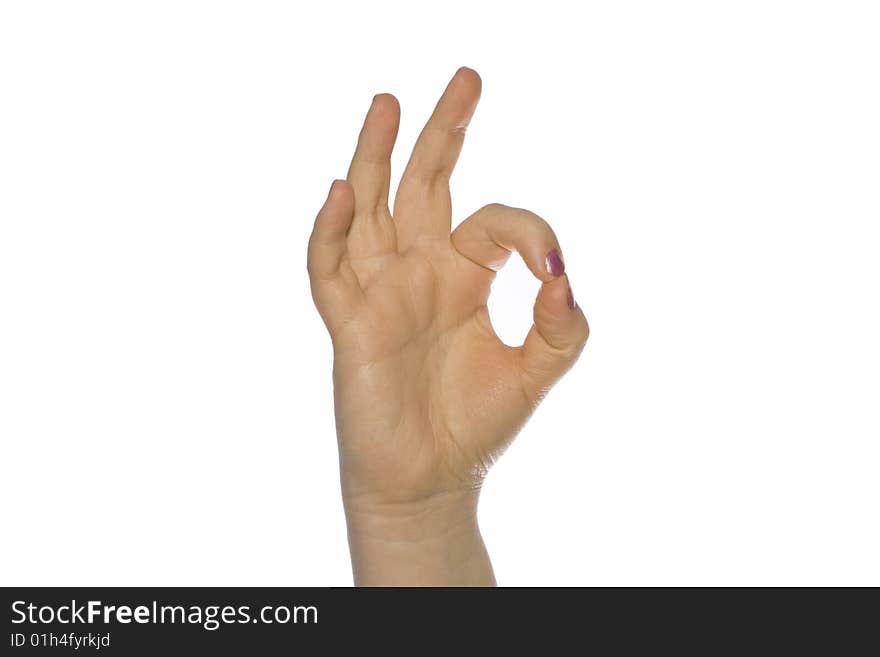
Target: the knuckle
pixel 533 222
pixel 541 224
pixel 493 208
pixel 435 177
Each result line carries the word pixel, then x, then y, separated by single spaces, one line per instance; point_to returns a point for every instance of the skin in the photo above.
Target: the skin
pixel 426 395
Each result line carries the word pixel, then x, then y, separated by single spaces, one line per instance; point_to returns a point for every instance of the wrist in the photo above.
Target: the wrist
pixel 430 541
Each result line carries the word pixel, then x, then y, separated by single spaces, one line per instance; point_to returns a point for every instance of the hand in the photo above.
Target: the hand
pixel 426 395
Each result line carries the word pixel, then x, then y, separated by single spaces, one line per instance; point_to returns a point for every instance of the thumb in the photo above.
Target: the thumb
pixel 557 337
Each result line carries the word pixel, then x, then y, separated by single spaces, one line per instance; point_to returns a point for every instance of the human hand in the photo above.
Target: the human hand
pixel 426 395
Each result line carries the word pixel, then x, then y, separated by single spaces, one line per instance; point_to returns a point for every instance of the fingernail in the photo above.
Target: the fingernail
pixel 571 302
pixel 554 263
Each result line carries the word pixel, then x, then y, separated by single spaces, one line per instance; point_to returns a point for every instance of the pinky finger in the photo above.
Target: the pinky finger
pixel 335 288
pixel 327 244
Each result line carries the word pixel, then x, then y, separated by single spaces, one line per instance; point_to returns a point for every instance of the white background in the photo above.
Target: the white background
pixel 712 170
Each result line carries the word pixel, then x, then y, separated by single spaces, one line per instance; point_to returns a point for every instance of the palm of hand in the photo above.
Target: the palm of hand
pixel 427 396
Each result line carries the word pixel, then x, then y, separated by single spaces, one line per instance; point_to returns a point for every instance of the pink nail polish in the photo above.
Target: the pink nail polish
pixel 555 265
